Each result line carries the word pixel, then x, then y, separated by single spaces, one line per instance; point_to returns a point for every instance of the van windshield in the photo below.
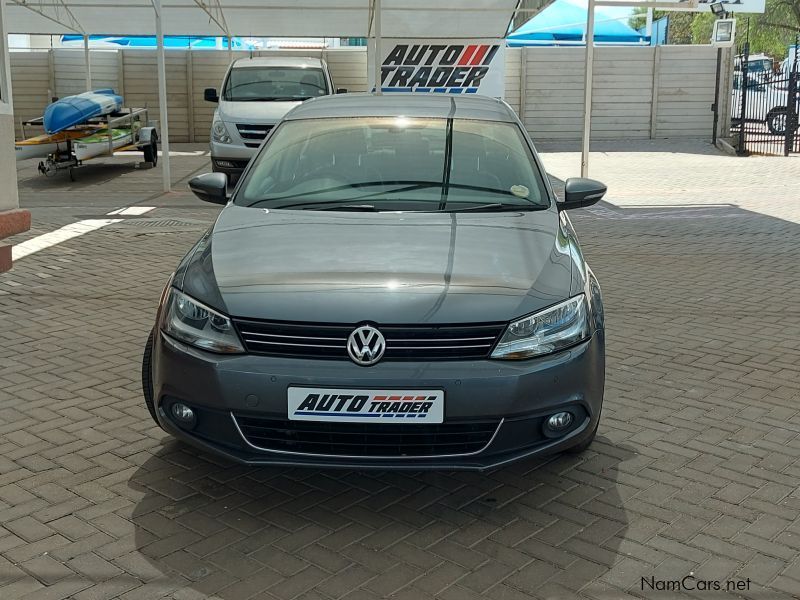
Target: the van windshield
pixel 273 84
pixel 395 163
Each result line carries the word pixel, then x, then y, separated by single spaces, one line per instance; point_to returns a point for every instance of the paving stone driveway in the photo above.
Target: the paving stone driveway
pixel 695 469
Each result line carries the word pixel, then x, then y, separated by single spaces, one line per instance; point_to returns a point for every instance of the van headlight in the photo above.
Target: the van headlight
pixel 219 133
pixel 189 321
pixel 550 330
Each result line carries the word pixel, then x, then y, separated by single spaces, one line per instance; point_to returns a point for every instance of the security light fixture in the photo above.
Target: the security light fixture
pixel 723 33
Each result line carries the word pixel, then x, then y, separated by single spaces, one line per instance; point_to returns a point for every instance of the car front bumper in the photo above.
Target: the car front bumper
pixel 230 159
pixel 516 395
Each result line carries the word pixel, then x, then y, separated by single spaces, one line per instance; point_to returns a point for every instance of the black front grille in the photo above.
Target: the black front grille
pixel 253 135
pixel 403 342
pixel 367 439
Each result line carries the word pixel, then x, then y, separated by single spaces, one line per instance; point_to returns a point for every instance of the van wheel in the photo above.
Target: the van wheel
pixel 147 377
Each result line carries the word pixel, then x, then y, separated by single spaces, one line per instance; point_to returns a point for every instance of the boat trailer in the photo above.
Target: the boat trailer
pixel 122 131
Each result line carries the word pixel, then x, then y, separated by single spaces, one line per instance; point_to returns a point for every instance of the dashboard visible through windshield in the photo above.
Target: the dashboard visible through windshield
pixel 395 163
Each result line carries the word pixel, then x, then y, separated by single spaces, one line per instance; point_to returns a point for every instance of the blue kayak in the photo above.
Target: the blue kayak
pixel 74 110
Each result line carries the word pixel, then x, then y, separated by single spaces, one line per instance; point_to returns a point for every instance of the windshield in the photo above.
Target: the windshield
pixel 395 163
pixel 253 84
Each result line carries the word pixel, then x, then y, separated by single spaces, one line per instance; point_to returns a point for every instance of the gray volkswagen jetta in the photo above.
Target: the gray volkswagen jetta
pixel 392 284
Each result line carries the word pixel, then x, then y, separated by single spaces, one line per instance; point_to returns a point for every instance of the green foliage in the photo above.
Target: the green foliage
pixel 770 33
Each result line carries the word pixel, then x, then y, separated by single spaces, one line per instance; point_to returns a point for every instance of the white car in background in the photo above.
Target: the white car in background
pixel 766 103
pixel 256 93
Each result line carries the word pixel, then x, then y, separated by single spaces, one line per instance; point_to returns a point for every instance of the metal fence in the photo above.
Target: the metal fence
pixel 765 106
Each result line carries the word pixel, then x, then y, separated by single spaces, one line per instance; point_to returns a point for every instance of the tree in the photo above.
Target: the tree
pixel 770 33
pixel 679 30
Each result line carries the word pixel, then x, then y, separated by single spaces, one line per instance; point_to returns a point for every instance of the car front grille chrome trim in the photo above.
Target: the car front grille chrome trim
pixel 403 342
pixel 295 337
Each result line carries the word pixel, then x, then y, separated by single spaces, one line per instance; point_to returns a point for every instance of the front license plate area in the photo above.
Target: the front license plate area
pixel 365 406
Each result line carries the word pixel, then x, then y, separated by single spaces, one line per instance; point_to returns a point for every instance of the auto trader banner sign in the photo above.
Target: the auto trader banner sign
pixel 441 66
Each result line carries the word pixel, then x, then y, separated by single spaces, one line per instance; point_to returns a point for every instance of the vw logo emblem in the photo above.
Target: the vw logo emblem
pixel 366 345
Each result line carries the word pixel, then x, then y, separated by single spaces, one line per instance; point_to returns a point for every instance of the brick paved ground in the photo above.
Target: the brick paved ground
pixel 695 469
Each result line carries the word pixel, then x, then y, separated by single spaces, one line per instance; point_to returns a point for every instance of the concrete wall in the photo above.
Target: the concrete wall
pixel 639 92
pixel 38 76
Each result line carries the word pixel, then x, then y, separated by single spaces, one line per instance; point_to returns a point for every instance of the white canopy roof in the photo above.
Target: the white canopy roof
pixel 287 18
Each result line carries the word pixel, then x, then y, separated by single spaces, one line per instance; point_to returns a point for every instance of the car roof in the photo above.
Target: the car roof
pixel 408 105
pixel 277 61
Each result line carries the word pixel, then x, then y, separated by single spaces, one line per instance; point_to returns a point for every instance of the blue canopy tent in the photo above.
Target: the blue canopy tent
pixel 564 23
pixel 170 41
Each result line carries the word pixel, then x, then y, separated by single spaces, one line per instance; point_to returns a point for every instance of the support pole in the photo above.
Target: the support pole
pixel 715 106
pixel 5 62
pixel 162 99
pixel 648 30
pixel 87 63
pixel 587 93
pixel 376 7
pixel 230 48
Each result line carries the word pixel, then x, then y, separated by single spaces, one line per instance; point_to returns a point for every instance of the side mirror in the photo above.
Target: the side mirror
pixel 341 90
pixel 210 95
pixel 210 187
pixel 580 192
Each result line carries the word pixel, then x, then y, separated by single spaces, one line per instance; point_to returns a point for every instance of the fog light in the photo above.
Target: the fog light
pixel 182 413
pixel 225 164
pixel 559 421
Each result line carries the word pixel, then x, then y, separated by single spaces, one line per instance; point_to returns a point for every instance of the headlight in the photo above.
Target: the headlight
pixel 219 133
pixel 552 329
pixel 187 320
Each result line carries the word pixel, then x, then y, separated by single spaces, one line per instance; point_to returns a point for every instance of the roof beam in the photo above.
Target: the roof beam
pixel 57 7
pixel 207 6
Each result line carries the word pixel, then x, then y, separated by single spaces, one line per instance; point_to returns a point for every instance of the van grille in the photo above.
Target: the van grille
pixel 367 439
pixel 253 135
pixel 403 342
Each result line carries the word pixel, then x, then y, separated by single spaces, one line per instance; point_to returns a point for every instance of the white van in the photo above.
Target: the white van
pixel 256 93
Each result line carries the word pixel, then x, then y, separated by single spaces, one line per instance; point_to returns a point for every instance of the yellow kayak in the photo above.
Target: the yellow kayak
pixel 46 144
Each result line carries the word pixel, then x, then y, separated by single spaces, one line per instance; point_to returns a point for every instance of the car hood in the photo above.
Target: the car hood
pixel 348 267
pixel 260 113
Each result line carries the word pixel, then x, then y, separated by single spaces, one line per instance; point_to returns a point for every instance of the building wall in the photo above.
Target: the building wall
pixel 8 169
pixel 639 92
pixel 13 220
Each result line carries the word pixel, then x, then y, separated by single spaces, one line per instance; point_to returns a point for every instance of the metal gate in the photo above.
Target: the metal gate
pixel 765 106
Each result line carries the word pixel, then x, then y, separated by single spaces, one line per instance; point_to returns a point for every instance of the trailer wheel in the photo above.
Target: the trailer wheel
pixel 151 152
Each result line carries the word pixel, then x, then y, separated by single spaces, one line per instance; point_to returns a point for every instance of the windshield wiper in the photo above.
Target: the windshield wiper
pixel 270 99
pixel 496 207
pixel 406 186
pixel 351 207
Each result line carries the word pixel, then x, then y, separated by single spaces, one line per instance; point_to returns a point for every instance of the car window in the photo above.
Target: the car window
pixel 394 163
pixel 251 84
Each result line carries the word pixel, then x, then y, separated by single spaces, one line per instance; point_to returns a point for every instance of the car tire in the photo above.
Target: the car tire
pixel 584 445
pixel 147 377
pixel 774 119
